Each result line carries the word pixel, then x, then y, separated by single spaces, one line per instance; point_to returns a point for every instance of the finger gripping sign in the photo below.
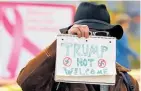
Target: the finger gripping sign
pixel 86 60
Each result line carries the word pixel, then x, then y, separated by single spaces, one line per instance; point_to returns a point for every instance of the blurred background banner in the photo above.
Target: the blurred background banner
pixel 26 29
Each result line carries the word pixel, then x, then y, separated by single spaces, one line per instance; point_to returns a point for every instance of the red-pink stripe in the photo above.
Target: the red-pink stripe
pixel 16 31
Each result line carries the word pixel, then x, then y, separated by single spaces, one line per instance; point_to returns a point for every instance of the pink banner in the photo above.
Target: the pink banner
pixel 17 31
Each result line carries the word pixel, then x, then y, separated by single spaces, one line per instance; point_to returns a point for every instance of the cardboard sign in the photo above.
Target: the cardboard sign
pixel 26 29
pixel 80 57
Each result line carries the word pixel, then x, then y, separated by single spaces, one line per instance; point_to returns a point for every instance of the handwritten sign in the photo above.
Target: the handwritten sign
pixel 82 57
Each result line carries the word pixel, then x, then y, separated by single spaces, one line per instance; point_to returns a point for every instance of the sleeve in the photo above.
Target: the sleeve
pixel 135 83
pixel 123 43
pixel 133 53
pixel 130 51
pixel 37 75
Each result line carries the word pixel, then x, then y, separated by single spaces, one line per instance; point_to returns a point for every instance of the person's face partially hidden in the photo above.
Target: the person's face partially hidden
pixel 99 33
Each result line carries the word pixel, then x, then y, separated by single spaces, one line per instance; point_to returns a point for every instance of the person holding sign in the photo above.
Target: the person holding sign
pixel 38 75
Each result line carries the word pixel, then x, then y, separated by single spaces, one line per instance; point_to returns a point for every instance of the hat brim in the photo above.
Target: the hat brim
pixel 114 30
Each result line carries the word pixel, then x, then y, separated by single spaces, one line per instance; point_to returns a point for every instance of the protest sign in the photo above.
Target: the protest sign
pixel 85 59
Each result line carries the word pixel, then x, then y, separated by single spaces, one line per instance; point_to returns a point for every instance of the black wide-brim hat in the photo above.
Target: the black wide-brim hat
pixel 96 17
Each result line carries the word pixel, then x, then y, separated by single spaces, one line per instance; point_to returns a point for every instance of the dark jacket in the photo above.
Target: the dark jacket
pixel 38 75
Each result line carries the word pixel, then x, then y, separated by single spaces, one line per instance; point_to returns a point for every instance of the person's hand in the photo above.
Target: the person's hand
pixel 79 30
